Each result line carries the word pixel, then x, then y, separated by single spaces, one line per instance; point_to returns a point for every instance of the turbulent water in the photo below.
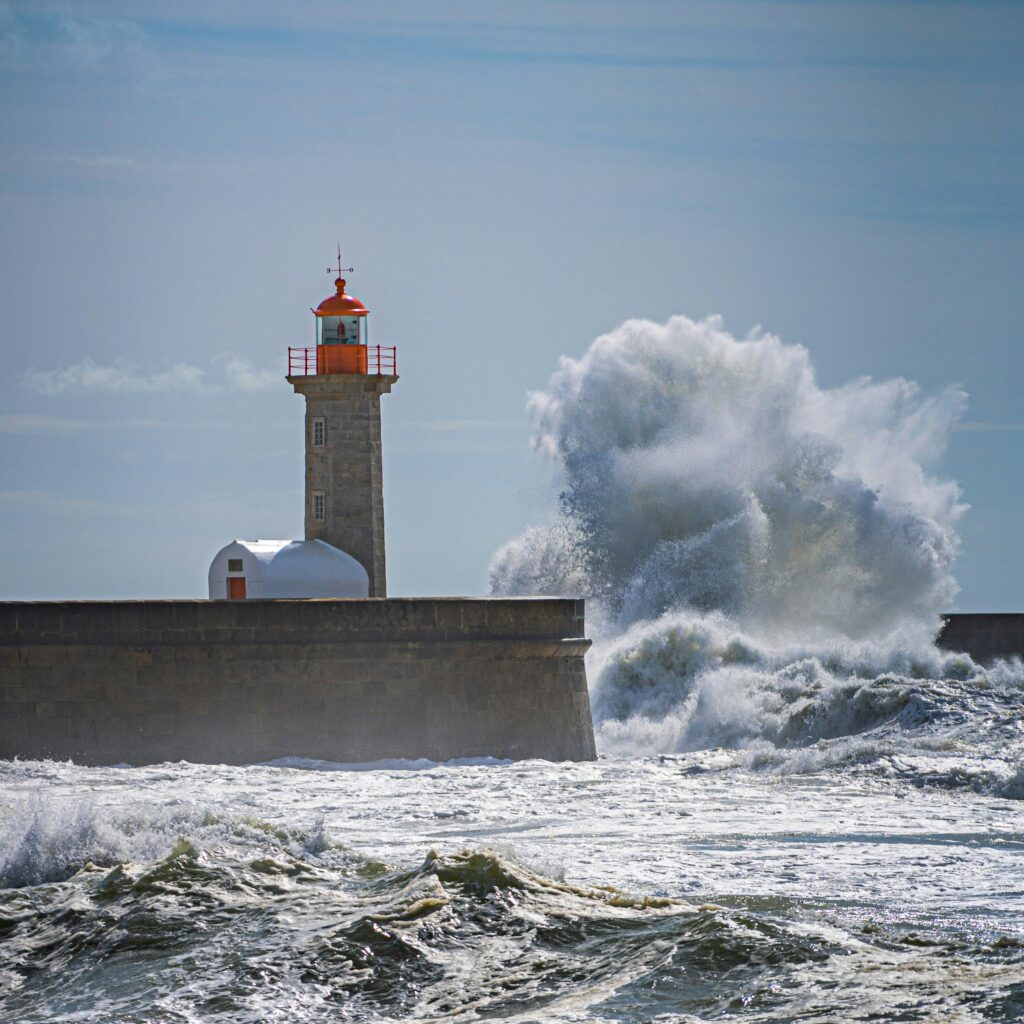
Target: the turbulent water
pixel 803 809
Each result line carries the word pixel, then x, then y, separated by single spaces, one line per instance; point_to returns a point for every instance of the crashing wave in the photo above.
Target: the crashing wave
pixel 766 559
pixel 711 473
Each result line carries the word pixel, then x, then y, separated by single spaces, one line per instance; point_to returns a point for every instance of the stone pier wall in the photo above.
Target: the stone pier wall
pixel 341 680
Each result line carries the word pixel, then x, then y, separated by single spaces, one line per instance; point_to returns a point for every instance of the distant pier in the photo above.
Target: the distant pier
pixel 985 636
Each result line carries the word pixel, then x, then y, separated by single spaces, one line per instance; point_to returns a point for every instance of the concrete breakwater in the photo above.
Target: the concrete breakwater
pixel 141 682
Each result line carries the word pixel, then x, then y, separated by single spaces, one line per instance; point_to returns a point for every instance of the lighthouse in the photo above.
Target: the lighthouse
pixel 342 379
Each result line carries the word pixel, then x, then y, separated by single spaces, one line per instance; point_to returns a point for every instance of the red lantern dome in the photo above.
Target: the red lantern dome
pixel 341 304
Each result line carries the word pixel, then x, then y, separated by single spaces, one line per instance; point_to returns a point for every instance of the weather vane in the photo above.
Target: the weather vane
pixel 340 269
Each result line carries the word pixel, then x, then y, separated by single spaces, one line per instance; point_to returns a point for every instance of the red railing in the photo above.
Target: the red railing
pixel 301 362
pixel 384 358
pixel 381 360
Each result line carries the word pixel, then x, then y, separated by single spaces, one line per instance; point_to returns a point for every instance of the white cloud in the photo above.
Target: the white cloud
pixel 229 373
pixel 243 375
pixel 120 375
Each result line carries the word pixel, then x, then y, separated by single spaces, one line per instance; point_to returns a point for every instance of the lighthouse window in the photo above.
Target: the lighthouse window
pixel 234 565
pixel 319 506
pixel 319 427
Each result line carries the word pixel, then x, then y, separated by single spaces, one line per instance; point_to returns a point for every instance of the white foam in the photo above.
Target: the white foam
pixel 48 839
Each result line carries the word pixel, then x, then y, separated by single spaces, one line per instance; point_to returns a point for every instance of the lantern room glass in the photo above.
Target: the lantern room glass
pixel 340 330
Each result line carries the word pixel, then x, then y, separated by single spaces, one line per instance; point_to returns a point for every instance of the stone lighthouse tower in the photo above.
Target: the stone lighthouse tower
pixel 342 379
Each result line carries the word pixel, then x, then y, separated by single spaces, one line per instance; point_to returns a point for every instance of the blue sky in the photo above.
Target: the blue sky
pixel 509 180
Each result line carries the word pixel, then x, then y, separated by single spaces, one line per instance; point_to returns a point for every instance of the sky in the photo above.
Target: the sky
pixel 509 180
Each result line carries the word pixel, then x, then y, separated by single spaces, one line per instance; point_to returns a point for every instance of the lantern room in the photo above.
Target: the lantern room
pixel 341 333
pixel 341 318
pixel 342 339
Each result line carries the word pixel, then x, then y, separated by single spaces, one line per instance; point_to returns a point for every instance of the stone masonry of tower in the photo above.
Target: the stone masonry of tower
pixel 346 467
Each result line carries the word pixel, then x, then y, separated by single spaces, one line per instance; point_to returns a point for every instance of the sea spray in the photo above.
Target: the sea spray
pixel 738 530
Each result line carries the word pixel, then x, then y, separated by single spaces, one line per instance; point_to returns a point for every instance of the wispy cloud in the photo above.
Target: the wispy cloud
pixel 977 427
pixel 235 373
pixel 449 444
pixel 468 435
pixel 70 39
pixel 29 423
pixel 51 502
pixel 452 426
pixel 101 161
pixel 17 423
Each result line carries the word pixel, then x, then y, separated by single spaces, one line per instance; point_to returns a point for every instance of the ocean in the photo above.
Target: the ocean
pixel 869 880
pixel 803 810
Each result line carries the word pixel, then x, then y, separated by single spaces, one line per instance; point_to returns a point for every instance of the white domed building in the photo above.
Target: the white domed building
pixel 247 569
